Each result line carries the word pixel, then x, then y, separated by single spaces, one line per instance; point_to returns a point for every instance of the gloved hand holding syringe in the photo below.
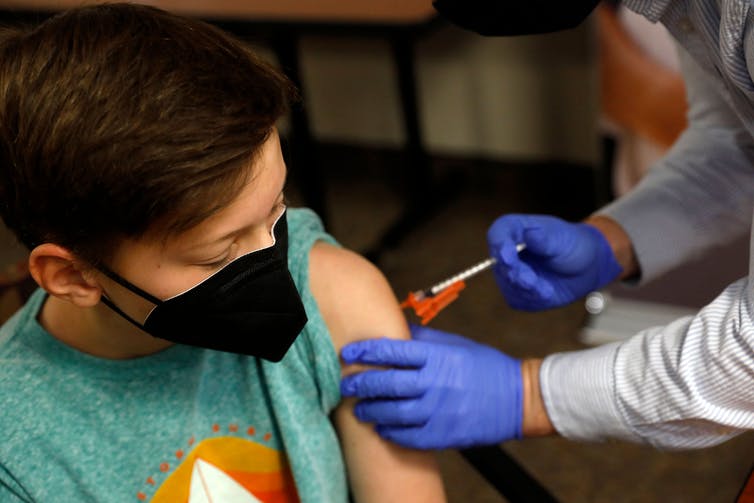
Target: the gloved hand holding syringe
pixel 429 302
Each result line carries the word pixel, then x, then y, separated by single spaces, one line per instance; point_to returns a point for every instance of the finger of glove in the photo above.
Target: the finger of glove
pixel 392 412
pixel 415 437
pixel 426 334
pixel 509 254
pixel 505 228
pixel 520 298
pixel 385 352
pixel 540 233
pixel 383 384
pixel 550 237
pixel 512 266
pixel 564 247
pixel 523 282
pixel 532 282
pixel 503 236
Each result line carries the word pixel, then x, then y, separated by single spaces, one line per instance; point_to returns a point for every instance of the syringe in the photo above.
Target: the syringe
pixel 429 302
pixel 461 276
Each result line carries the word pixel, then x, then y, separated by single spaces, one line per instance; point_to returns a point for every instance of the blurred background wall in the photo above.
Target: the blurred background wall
pixel 528 98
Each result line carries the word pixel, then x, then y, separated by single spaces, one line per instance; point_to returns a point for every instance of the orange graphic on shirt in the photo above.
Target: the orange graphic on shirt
pixel 229 470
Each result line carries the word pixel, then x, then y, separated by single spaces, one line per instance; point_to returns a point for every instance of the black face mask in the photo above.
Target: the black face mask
pixel 251 306
pixel 503 17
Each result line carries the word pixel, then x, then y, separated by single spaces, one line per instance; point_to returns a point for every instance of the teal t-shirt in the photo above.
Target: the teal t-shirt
pixel 183 425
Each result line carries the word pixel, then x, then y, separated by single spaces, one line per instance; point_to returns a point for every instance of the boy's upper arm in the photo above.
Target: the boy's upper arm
pixel 357 303
pixel 353 296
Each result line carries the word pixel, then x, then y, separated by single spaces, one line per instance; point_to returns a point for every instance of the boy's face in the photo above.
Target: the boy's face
pixel 166 269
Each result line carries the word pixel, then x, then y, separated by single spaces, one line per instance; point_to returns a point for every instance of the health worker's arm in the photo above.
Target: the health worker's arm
pixel 687 384
pixel 700 194
pixel 682 386
pixel 357 303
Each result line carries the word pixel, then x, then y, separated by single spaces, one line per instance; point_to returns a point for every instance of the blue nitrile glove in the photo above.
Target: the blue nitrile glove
pixel 562 261
pixel 447 392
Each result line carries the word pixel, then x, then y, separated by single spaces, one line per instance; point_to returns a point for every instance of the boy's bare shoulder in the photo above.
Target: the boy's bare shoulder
pixel 353 296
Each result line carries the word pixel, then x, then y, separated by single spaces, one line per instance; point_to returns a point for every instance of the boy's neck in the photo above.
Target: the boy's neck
pixel 97 331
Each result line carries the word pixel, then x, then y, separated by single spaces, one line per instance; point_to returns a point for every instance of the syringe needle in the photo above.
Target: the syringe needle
pixel 462 276
pixel 466 273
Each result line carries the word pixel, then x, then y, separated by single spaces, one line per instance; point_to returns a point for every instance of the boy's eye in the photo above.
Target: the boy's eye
pixel 227 257
pixel 232 252
pixel 217 264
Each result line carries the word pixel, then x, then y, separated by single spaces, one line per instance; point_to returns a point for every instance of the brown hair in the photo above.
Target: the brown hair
pixel 118 120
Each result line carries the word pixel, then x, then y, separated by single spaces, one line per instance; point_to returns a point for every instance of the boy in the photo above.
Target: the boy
pixel 140 163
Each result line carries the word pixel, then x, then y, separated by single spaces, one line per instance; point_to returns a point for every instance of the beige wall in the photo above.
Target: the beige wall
pixel 530 97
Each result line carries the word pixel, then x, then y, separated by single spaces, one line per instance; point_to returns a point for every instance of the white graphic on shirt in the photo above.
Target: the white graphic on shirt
pixel 209 484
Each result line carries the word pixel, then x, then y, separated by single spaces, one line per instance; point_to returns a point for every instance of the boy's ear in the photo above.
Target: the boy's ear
pixel 56 270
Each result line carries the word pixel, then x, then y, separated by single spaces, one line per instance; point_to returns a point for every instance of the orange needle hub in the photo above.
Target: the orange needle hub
pixel 427 307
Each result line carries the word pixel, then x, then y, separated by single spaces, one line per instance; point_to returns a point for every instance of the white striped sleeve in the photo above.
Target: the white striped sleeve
pixel 687 385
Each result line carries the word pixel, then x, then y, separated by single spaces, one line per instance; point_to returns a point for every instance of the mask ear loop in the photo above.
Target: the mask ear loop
pixel 133 289
pixel 109 303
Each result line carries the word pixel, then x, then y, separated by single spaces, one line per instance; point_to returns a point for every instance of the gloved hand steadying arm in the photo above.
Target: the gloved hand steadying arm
pixel 562 261
pixel 447 392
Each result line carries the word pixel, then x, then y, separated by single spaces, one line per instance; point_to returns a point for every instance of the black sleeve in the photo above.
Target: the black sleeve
pixel 515 17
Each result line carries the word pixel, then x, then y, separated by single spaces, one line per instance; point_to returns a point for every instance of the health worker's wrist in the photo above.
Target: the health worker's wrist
pixel 536 422
pixel 620 244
